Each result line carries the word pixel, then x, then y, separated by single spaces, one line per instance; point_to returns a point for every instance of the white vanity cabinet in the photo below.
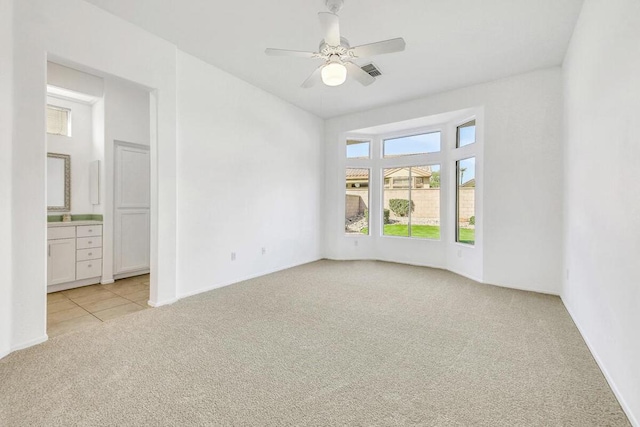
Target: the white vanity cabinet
pixel 74 255
pixel 61 267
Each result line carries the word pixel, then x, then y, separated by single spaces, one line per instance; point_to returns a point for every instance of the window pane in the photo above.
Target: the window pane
pixel 425 195
pixel 357 149
pixel 396 202
pixel 465 201
pixel 466 134
pixel 410 145
pixel 58 120
pixel 356 217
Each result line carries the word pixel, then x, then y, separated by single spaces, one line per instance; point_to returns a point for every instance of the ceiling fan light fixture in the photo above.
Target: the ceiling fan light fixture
pixel 334 74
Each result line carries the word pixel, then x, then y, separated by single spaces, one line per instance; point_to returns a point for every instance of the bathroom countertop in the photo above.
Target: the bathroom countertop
pixel 72 223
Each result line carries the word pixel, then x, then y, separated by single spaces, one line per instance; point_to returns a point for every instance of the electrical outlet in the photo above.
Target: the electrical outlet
pixel 355 243
pixel 233 256
pixel 264 251
pixel 459 253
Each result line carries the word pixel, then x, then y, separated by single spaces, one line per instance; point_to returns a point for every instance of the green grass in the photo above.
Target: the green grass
pixel 467 235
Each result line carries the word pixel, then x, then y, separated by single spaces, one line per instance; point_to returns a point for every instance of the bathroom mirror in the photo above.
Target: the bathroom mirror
pixel 58 182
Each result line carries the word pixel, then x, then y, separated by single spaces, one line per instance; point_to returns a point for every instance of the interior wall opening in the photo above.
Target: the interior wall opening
pixel 98 171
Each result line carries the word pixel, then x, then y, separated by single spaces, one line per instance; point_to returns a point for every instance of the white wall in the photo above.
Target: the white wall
pixel 602 196
pixel 6 119
pixel 74 33
pixel 80 147
pixel 249 176
pixel 522 179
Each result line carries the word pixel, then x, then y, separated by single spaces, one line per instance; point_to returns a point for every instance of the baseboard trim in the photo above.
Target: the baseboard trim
pixel 75 284
pixel 5 354
pixel 623 403
pixel 468 276
pixel 161 303
pixel 107 282
pixel 29 343
pixel 133 273
pixel 440 267
pixel 521 288
pixel 242 279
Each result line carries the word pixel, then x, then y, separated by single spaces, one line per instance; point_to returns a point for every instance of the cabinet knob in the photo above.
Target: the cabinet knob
pixel 90 254
pixel 90 231
pixel 90 242
pixel 89 265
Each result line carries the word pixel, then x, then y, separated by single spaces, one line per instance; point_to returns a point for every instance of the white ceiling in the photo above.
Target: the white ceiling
pixel 450 43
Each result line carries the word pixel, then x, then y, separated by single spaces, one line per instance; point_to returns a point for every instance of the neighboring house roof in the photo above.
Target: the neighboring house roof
pixel 470 183
pixel 423 171
pixel 357 173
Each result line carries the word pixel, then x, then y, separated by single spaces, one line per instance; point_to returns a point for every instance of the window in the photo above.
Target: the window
pixel 411 145
pixel 58 120
pixel 411 205
pixel 358 149
pixel 466 134
pixel 356 216
pixel 465 201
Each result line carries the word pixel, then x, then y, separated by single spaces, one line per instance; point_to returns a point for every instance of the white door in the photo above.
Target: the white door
pixel 61 265
pixel 131 237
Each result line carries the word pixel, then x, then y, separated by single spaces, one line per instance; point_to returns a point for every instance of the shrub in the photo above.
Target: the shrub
pixel 386 216
pixel 400 207
pixel 472 220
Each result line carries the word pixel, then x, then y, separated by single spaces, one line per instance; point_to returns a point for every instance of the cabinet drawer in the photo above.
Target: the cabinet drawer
pixel 61 233
pixel 88 242
pixel 87 269
pixel 87 254
pixel 89 230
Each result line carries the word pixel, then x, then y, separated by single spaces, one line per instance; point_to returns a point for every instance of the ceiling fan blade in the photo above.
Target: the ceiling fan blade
pixel 359 74
pixel 387 46
pixel 285 52
pixel 314 78
pixel 330 24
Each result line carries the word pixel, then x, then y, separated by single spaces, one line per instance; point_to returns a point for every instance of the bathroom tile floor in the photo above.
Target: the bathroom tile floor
pixel 78 308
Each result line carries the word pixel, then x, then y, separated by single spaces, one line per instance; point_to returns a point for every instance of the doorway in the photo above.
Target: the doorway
pixel 100 237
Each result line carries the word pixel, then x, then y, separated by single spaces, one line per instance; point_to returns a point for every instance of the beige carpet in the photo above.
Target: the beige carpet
pixel 328 343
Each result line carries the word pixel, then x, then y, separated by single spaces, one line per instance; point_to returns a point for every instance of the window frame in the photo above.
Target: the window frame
pixel 358 163
pixel 458 154
pixel 368 199
pixel 436 158
pixel 411 177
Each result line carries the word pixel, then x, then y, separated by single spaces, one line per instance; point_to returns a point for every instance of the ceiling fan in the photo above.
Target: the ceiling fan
pixel 337 53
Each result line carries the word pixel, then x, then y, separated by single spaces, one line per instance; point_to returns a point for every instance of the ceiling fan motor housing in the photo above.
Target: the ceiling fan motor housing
pixel 326 51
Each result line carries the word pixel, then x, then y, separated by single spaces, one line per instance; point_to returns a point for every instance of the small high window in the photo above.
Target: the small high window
pixel 58 120
pixel 358 149
pixel 411 145
pixel 466 134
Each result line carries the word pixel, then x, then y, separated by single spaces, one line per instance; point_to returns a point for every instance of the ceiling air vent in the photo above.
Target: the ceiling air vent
pixel 372 70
